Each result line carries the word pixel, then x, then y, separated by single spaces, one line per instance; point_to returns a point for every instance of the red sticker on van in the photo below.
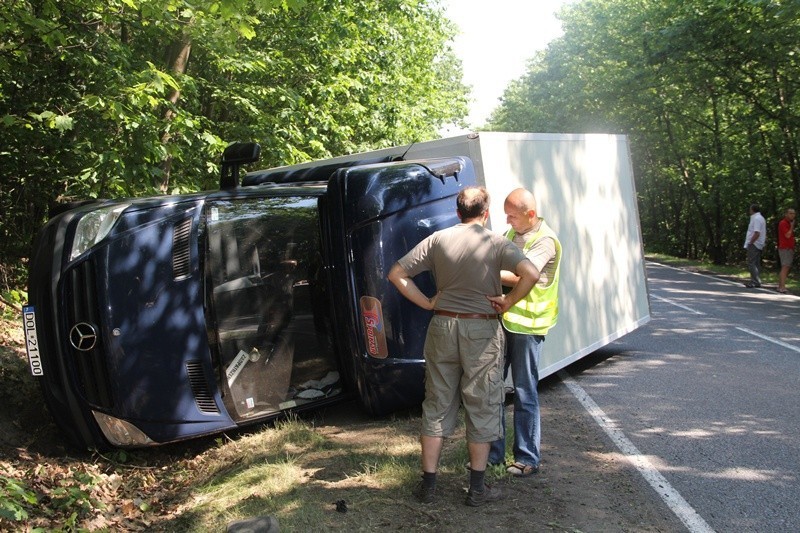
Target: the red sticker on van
pixel 374 333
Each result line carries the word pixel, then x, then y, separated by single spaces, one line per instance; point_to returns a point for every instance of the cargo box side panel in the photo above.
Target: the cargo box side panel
pixel 585 191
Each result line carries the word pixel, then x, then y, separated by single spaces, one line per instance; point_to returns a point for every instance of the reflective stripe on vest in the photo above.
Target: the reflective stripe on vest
pixel 538 311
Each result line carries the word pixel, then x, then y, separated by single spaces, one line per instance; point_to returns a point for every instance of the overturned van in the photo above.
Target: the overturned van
pixel 153 320
pixel 158 319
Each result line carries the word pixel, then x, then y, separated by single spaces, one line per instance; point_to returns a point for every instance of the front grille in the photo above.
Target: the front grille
pixel 90 366
pixel 202 394
pixel 181 256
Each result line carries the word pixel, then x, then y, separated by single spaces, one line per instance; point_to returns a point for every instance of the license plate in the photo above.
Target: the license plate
pixel 31 340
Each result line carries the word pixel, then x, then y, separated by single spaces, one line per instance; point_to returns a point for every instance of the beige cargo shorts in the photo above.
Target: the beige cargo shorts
pixel 464 365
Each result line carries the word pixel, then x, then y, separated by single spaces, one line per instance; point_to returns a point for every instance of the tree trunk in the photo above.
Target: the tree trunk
pixel 703 217
pixel 177 62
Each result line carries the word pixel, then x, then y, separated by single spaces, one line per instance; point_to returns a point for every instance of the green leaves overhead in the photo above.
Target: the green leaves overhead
pixel 128 97
pixel 707 90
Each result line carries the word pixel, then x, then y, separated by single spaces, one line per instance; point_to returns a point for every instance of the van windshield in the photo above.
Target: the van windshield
pixel 268 304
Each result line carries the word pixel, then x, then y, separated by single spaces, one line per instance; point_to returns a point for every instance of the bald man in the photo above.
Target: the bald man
pixel 526 323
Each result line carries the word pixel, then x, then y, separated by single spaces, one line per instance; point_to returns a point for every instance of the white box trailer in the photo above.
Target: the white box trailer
pixel 584 188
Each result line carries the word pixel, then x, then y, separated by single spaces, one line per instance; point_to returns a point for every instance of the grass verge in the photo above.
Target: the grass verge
pixel 735 272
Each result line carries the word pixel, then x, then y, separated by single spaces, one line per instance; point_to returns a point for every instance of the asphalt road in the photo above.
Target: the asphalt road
pixel 707 395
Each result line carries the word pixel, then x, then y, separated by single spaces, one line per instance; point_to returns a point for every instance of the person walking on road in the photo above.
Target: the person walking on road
pixel 525 325
pixel 785 247
pixel 754 242
pixel 464 345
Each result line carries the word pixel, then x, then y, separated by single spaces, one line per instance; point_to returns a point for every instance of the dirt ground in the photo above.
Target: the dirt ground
pixel 585 485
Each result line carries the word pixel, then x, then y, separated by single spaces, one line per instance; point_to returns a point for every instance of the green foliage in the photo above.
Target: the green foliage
pixel 68 501
pixel 118 456
pixel 74 495
pixel 707 91
pixel 15 498
pixel 16 298
pixel 119 98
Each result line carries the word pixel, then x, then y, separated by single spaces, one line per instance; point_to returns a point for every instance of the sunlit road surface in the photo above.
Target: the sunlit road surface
pixel 706 398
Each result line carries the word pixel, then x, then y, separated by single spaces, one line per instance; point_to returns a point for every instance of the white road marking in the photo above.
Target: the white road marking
pixel 721 280
pixel 676 304
pixel 671 497
pixel 718 279
pixel 769 339
pixel 693 521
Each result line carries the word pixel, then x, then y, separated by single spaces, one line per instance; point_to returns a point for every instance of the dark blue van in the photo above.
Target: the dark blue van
pixel 158 319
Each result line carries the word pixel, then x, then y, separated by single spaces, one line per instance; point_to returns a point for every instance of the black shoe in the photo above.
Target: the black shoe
pixel 753 285
pixel 489 494
pixel 424 494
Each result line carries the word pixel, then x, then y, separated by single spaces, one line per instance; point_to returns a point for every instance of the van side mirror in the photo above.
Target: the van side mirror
pixel 235 155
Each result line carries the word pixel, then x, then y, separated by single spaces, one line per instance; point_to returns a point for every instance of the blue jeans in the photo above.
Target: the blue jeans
pixel 522 356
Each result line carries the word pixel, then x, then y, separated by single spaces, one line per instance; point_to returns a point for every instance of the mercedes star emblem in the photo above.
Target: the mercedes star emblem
pixel 83 336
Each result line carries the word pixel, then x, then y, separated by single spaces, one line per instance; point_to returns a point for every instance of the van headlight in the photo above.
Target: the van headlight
pixel 119 432
pixel 93 226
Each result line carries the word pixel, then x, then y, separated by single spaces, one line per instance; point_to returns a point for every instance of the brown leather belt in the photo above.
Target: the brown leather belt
pixel 466 315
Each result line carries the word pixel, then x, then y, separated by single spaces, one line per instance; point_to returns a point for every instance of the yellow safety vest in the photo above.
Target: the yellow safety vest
pixel 538 311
